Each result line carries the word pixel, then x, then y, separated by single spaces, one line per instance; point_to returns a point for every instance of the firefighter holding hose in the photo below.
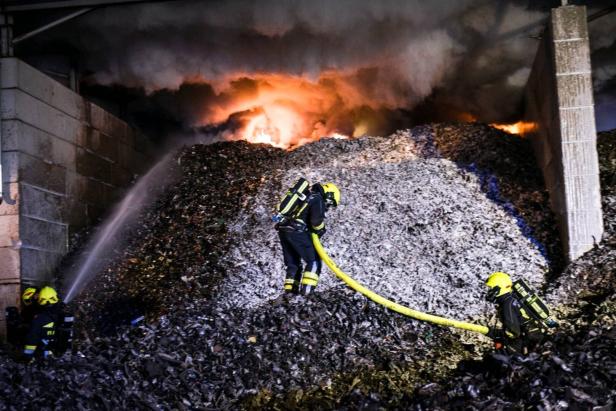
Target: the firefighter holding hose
pixel 51 328
pixel 300 213
pixel 42 333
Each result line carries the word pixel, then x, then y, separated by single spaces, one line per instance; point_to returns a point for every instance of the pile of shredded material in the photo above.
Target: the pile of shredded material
pixel 414 228
pixel 432 210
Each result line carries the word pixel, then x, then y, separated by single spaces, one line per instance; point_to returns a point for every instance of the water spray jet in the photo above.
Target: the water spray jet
pixel 114 229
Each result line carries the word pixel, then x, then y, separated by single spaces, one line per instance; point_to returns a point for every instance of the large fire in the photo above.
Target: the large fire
pixel 520 128
pixel 288 111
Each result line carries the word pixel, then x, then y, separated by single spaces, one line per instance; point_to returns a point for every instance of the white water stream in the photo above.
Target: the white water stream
pixel 112 232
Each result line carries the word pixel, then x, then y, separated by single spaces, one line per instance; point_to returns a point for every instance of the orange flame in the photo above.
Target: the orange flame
pixel 288 111
pixel 520 128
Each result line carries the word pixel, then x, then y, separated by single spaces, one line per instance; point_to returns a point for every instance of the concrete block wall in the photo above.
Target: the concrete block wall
pixel 65 161
pixel 559 100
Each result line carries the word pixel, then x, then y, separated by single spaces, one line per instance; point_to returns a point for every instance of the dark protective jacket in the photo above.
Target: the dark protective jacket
pixel 519 331
pixel 41 335
pixel 297 244
pixel 28 312
pixel 311 216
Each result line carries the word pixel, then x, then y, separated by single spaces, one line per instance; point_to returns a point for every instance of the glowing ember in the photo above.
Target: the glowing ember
pixel 466 117
pixel 519 128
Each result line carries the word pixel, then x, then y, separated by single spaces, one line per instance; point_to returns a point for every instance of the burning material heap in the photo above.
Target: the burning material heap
pixel 226 341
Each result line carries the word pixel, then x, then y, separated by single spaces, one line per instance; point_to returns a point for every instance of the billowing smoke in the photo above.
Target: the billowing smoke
pixel 301 69
pixel 219 41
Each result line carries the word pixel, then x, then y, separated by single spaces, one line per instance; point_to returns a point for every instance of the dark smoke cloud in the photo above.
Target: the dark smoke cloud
pixel 457 55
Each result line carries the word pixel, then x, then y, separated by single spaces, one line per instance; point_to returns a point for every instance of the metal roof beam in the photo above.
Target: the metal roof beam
pixel 51 25
pixel 10 6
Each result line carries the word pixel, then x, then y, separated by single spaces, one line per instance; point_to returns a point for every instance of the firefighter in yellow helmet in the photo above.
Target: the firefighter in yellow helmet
pixel 29 295
pixel 294 234
pixel 41 336
pixel 519 332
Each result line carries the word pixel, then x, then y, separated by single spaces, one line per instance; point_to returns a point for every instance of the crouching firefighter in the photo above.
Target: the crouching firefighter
pixel 523 316
pixel 300 213
pixel 41 337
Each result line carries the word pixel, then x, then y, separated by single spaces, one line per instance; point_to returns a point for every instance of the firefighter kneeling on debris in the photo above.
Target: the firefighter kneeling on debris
pixel 524 317
pixel 42 333
pixel 43 327
pixel 300 213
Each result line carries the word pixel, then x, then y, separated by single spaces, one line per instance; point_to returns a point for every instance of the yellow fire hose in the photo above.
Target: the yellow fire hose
pixel 409 312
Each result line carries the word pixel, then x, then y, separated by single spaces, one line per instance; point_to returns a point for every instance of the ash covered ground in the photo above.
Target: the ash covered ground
pixel 427 214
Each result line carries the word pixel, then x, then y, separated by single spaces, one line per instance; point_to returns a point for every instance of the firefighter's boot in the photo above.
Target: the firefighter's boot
pixel 309 282
pixel 291 286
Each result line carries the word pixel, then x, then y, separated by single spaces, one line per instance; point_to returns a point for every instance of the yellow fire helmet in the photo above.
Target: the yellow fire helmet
pixel 28 295
pixel 499 284
pixel 48 296
pixel 332 194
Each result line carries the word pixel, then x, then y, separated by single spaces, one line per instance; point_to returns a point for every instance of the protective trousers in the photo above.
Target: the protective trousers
pixel 297 246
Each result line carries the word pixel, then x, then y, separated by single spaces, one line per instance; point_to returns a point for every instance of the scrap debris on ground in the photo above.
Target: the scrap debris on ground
pixel 205 269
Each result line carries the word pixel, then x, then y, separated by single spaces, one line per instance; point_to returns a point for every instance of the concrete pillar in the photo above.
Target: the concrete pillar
pixel 580 163
pixel 560 101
